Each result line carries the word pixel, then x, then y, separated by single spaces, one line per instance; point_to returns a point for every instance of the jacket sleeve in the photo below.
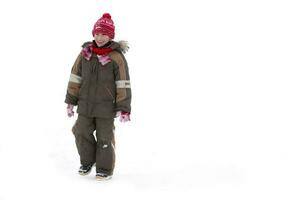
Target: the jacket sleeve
pixel 122 82
pixel 74 82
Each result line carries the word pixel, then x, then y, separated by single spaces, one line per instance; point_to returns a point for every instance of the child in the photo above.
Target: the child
pixel 99 84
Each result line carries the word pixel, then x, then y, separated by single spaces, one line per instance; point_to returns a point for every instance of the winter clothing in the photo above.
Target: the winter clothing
pixel 105 26
pixel 102 150
pixel 102 176
pixel 85 170
pixel 124 116
pixel 70 110
pixel 100 84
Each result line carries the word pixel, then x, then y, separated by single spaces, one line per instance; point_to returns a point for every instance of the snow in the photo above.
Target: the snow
pixel 215 100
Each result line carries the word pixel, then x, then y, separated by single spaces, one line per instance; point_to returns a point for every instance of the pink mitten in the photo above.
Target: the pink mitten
pixel 124 116
pixel 70 111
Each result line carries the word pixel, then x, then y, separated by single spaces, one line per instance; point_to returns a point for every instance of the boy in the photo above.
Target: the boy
pixel 100 86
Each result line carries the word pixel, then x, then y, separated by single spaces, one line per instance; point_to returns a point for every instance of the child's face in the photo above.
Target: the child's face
pixel 101 39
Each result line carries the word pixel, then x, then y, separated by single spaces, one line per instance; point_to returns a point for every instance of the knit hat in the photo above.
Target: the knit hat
pixel 105 26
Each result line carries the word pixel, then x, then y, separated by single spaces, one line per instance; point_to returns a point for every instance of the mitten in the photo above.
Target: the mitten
pixel 124 116
pixel 70 111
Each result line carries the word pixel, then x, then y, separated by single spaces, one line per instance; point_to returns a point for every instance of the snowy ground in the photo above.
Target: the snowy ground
pixel 215 100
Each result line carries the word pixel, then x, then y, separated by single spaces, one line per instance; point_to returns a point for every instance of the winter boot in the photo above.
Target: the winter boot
pixel 85 170
pixel 102 176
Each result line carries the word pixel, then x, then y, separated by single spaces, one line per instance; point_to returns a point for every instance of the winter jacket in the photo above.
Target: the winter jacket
pixel 100 90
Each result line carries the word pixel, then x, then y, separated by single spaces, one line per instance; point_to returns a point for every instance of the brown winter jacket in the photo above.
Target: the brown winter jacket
pixel 100 90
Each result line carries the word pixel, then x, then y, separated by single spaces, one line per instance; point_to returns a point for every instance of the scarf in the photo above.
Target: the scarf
pixel 101 52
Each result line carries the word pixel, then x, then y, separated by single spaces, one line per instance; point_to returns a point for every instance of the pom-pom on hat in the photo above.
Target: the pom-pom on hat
pixel 105 25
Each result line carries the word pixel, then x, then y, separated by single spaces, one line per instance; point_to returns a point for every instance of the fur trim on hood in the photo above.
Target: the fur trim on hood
pixel 124 46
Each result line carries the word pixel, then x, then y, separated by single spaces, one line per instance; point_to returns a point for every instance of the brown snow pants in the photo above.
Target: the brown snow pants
pixel 99 150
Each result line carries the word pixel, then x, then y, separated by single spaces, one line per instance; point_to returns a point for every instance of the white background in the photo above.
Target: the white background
pixel 215 107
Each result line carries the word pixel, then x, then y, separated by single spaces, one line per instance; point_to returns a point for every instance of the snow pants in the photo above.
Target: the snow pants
pixel 99 150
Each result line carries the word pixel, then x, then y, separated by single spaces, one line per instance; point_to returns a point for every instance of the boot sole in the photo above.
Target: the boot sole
pixel 84 174
pixel 103 178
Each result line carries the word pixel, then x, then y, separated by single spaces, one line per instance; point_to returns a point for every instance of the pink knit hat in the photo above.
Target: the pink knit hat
pixel 105 26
